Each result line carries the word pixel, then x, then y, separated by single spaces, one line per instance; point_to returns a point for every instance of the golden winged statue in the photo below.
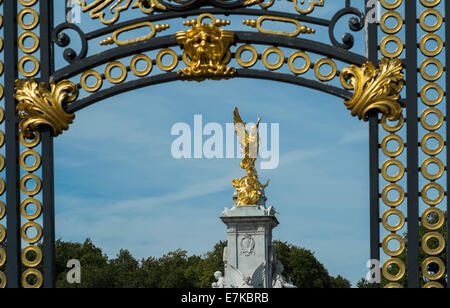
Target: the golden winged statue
pixel 248 188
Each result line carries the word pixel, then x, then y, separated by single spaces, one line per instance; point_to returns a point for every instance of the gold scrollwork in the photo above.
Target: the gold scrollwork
pixel 207 46
pixel 39 105
pixel 374 88
pixel 258 24
pixel 312 5
pixel 153 30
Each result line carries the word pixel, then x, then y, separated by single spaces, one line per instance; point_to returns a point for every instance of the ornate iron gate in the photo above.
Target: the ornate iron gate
pixel 35 111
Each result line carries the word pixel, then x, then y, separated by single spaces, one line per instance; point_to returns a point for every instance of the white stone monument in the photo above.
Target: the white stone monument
pixel 249 256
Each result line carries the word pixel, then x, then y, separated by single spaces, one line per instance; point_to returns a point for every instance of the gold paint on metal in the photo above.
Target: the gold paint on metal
pixel 2 233
pixel 304 68
pixel 248 188
pixel 23 208
pixel 252 60
pixel 2 280
pixel 392 162
pixel 433 226
pixel 32 272
pixel 398 189
pixel 39 105
pixel 25 227
pixel 322 62
pixel 394 128
pixel 144 72
pixel 428 126
pixel 429 186
pixel 396 152
pixel 267 4
pixel 38 184
pixel 400 273
pixel 395 237
pixel 161 54
pixel 397 213
pixel 434 52
pixel 436 25
pixel 21 66
pixel 153 30
pixel 430 3
pixel 207 46
pixel 152 5
pixel 123 72
pixel 27 2
pixel 312 5
pixel 258 24
pixel 36 261
pixel 398 25
pixel 437 88
pixel 433 285
pixel 436 261
pixel 391 38
pixel 23 157
pixel 2 210
pixel 435 76
pixel 426 163
pixel 433 251
pixel 2 257
pixel 21 42
pixel 2 162
pixel 98 81
pixel 426 149
pixel 391 6
pixel 2 186
pixel 20 19
pixel 393 285
pixel 278 63
pixel 374 88
pixel 34 141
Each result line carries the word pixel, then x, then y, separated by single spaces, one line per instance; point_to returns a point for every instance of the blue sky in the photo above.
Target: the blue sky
pixel 117 183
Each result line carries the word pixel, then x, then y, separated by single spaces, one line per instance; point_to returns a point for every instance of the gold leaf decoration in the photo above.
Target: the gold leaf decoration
pixel 206 49
pixel 39 105
pixel 374 88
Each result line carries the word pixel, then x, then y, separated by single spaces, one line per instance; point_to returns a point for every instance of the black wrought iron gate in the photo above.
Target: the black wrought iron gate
pixel 405 44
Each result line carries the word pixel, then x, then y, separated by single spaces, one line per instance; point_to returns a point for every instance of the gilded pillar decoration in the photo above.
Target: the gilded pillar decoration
pixel 39 105
pixel 374 88
pixel 206 49
pixel 393 243
pixel 248 188
pixel 432 168
pixel 3 278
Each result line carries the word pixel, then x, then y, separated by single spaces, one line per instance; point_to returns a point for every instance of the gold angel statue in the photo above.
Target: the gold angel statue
pixel 248 188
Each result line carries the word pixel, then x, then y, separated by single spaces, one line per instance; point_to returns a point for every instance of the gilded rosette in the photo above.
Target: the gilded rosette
pixel 38 105
pixel 374 88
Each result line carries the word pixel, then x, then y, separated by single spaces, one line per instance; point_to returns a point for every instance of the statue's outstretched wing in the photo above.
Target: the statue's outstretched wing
pixel 235 278
pixel 258 276
pixel 239 128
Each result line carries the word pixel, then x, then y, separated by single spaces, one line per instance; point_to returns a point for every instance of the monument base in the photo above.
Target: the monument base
pixel 249 256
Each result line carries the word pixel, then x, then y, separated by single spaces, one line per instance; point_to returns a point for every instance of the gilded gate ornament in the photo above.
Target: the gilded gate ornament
pixel 206 49
pixel 39 105
pixel 374 88
pixel 248 188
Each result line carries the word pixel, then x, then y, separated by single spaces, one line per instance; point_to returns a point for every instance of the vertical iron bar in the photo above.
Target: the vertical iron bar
pixel 12 146
pixel 372 55
pixel 48 200
pixel 412 143
pixel 447 97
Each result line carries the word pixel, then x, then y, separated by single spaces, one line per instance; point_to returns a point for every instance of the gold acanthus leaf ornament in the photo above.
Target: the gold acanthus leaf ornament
pixel 248 188
pixel 206 49
pixel 38 105
pixel 374 88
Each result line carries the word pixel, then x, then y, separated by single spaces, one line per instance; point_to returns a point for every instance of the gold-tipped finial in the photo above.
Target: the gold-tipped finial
pixel 248 188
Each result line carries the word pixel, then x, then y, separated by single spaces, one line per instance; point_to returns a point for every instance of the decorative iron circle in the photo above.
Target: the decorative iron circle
pixel 397 213
pixel 436 25
pixel 98 83
pixel 36 261
pixel 396 152
pixel 123 72
pixel 399 239
pixel 252 60
pixel 392 162
pixel 20 19
pixel 436 261
pixel 433 251
pixel 426 149
pixel 30 144
pixel 319 64
pixel 429 186
pixel 25 227
pixel 2 280
pixel 401 272
pixel 35 273
pixel 435 76
pixel 21 42
pixel 428 126
pixel 437 88
pixel 426 163
pixel 438 224
pixel 161 54
pixel 304 68
pixel 2 233
pixel 23 208
pixel 23 157
pixel 433 285
pixel 2 210
pixel 400 191
pixel 278 63
pixel 25 179
pixel 2 257
pixel 392 129
pixel 425 39
pixel 391 38
pixel 144 72
pixel 397 27
pixel 21 66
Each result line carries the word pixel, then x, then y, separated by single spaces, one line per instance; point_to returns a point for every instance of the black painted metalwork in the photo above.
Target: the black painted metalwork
pixel 12 146
pixel 412 145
